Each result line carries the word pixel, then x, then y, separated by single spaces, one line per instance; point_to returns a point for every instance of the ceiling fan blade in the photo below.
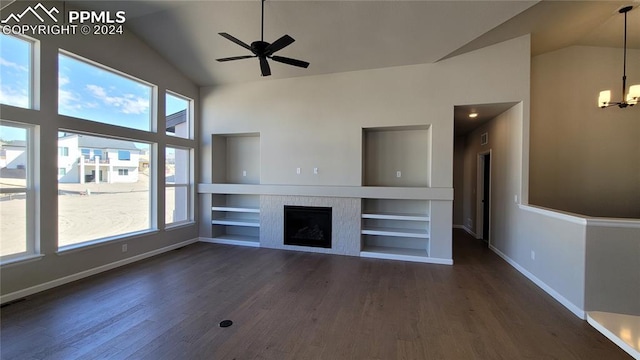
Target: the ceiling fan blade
pixel 264 66
pixel 236 58
pixel 289 61
pixel 279 44
pixel 235 40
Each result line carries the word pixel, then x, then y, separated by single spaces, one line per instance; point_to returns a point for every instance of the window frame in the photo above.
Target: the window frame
pixel 189 186
pixel 190 110
pixel 152 126
pixel 34 72
pixel 32 217
pixel 152 189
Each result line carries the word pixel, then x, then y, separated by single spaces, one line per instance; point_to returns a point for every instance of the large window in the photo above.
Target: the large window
pixel 95 93
pixel 178 186
pixel 178 115
pixel 17 198
pixel 98 201
pixel 16 71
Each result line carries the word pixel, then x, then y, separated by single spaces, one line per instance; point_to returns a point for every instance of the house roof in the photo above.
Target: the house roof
pixel 14 143
pixel 93 142
pixel 176 118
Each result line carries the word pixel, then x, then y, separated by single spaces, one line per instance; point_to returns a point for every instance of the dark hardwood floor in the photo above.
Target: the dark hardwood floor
pixel 296 305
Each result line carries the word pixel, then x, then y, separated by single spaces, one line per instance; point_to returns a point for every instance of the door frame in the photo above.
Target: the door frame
pixel 480 194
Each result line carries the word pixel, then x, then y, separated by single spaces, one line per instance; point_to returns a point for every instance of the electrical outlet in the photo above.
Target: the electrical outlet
pixel 533 255
pixel 515 199
pixel 244 172
pixel 398 174
pixel 315 171
pixel 298 171
pixel 124 248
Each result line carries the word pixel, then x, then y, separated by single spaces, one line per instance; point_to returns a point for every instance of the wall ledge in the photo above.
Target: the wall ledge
pixel 378 192
pixel 557 214
pixel 583 219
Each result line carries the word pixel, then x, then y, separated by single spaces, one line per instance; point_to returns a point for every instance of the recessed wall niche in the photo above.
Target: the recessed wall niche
pixel 396 156
pixel 236 158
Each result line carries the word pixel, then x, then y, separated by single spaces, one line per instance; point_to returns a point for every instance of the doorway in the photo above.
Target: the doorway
pixel 483 200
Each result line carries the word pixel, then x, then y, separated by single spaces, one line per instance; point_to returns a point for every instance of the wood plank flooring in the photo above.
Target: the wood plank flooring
pixel 296 305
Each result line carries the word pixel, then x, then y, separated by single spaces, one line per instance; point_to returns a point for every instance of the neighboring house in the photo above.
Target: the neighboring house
pixel 13 155
pixel 83 159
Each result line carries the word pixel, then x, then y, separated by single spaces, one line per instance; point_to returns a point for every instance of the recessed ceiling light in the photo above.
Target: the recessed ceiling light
pixel 473 115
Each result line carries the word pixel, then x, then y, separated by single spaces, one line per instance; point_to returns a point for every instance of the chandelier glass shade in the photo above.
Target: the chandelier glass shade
pixel 631 96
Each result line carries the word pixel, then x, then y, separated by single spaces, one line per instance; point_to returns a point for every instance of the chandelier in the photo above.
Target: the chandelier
pixel 631 97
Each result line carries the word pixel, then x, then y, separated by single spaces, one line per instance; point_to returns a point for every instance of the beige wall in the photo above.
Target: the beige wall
pixel 584 159
pixel 317 121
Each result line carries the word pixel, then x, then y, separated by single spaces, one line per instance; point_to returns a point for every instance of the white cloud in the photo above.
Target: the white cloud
pixel 14 97
pixel 97 91
pixel 68 101
pixel 126 104
pixel 7 63
pixel 62 80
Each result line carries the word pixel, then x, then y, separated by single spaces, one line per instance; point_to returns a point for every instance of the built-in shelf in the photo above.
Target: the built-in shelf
pixel 236 222
pixel 396 216
pixel 410 233
pixel 255 210
pixel 395 229
pixel 235 219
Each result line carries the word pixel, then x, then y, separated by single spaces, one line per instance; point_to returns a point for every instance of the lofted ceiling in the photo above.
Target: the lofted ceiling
pixel 339 36
pixel 334 36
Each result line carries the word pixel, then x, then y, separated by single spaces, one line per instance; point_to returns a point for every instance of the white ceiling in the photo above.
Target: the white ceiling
pixel 334 36
pixel 339 36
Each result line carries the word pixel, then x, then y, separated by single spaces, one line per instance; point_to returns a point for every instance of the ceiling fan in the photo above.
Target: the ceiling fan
pixel 264 50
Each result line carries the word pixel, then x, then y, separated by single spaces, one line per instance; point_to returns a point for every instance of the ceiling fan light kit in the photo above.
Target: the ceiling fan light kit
pixel 632 96
pixel 264 50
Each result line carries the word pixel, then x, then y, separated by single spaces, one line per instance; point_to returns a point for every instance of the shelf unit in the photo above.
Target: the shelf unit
pixel 236 219
pixel 395 229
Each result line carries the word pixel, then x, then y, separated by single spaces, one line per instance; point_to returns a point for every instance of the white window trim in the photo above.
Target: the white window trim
pixel 32 218
pixel 189 186
pixel 190 110
pixel 152 87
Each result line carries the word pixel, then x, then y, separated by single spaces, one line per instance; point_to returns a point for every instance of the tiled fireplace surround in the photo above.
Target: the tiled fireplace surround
pixel 346 217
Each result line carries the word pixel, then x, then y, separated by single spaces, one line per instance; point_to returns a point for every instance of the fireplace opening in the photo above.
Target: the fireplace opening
pixel 307 226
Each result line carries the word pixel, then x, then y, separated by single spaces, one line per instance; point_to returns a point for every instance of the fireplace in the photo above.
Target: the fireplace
pixel 307 226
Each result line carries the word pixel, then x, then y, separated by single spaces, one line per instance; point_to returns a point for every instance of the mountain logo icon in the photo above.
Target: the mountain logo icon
pixel 35 11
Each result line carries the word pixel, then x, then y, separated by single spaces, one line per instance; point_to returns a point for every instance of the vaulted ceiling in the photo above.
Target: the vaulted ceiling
pixel 339 36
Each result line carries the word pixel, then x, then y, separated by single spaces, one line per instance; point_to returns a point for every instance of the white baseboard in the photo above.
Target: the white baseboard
pixel 549 290
pixel 469 231
pixel 83 274
pixel 635 353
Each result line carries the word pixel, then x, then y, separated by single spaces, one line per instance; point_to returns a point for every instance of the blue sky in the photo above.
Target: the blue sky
pixel 84 91
pixel 92 93
pixel 14 71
